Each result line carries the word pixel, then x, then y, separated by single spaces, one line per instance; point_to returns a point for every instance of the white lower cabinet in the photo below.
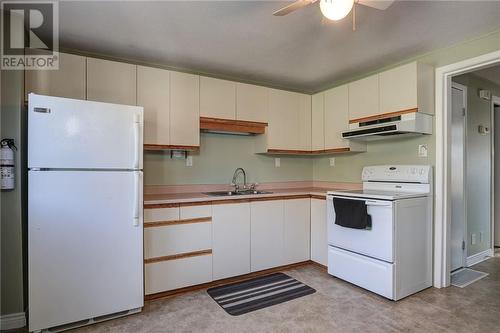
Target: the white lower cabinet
pixel 319 237
pixel 178 273
pixel 296 230
pixel 231 240
pixel 266 234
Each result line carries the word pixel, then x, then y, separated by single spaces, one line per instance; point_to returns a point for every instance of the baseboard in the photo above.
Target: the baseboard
pixel 13 320
pixel 478 257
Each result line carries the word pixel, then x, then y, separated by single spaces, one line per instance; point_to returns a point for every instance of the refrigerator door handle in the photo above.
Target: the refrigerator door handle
pixel 137 198
pixel 137 141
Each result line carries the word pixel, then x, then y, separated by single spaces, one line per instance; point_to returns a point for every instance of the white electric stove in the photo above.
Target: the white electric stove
pixel 393 257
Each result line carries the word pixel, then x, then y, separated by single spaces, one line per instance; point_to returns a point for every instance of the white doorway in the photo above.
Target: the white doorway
pixel 496 173
pixel 458 252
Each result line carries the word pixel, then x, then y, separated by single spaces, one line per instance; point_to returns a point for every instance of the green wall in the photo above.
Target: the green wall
pixel 219 156
pixel 11 224
pixel 478 162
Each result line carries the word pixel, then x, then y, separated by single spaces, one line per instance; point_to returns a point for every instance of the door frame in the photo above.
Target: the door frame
pixel 464 90
pixel 442 214
pixel 495 100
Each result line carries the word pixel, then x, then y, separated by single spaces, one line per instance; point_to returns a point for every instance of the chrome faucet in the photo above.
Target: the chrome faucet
pixel 235 176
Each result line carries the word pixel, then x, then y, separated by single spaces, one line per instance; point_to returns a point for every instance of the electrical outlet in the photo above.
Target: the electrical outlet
pixel 277 162
pixel 189 161
pixel 332 161
pixel 473 239
pixel 422 150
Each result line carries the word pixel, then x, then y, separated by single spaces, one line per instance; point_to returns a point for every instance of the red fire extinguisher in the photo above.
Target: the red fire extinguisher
pixel 7 164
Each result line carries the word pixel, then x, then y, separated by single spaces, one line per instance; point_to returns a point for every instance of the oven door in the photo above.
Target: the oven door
pixel 376 242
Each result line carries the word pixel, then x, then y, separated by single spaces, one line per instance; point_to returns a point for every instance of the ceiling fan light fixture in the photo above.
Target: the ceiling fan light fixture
pixel 335 9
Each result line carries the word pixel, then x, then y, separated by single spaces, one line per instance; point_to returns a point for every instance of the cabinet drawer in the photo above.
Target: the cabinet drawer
pixel 193 212
pixel 178 273
pixel 371 274
pixel 161 214
pixel 179 238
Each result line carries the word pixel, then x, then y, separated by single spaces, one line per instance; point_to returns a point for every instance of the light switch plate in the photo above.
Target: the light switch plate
pixel 277 162
pixel 422 150
pixel 189 161
pixel 332 161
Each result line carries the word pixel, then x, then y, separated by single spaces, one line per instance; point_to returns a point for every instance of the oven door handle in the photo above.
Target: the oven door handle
pixel 378 203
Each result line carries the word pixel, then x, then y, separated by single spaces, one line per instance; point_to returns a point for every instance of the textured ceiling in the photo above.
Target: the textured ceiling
pixel 244 41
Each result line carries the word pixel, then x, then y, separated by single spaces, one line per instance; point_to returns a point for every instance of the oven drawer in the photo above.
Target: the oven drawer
pixel 371 274
pixel 376 242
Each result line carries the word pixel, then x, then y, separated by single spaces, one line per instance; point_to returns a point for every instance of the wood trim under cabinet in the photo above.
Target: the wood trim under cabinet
pixel 163 205
pixel 216 283
pixel 178 256
pixel 177 222
pixel 230 125
pixel 308 152
pixel 382 116
pixel 319 197
pixel 155 147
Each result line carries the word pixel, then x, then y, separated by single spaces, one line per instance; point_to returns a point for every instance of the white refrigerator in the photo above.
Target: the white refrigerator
pixel 85 236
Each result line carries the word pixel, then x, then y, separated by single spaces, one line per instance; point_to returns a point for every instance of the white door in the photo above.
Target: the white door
pixel 231 240
pixel 458 217
pixel 319 242
pixel 74 134
pixel 266 236
pixel 85 250
pixel 297 230
pixel 496 237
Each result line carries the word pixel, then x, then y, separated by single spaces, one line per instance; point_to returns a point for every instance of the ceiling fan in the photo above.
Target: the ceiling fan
pixel 334 9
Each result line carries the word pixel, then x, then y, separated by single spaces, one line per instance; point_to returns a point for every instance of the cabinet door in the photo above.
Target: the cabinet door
pixel 336 116
pixel 364 98
pixel 398 89
pixel 252 103
pixel 318 122
pixel 319 237
pixel 184 109
pixel 266 234
pixel 289 120
pixel 217 98
pixel 296 243
pixel 231 240
pixel 111 81
pixel 68 81
pixel 153 93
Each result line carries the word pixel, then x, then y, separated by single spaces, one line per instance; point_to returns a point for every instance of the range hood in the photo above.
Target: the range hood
pixel 411 124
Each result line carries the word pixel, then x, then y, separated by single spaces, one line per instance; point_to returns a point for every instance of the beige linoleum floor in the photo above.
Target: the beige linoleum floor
pixel 337 306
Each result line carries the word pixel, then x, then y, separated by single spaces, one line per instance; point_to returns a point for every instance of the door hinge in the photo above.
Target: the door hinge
pixel 463 245
pixel 463 112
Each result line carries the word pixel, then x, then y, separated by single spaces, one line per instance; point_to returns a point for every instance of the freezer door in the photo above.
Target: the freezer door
pixel 75 134
pixel 85 245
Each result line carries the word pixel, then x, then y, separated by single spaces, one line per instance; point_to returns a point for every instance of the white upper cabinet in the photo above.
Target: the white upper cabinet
pixel 153 93
pixel 318 122
pixel 296 230
pixel 68 81
pixel 364 98
pixel 252 103
pixel 336 116
pixel 289 120
pixel 217 98
pixel 111 81
pixel 184 109
pixel 231 240
pixel 406 88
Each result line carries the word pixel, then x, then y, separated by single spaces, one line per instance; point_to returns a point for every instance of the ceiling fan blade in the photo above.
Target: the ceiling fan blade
pixel 293 7
pixel 377 4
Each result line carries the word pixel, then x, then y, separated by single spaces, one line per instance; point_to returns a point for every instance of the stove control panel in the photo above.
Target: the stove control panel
pixel 398 173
